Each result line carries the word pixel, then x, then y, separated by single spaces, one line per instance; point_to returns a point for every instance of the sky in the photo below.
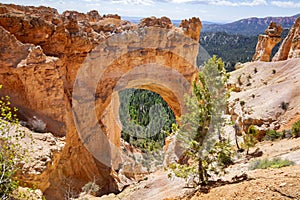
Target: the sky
pixel 207 10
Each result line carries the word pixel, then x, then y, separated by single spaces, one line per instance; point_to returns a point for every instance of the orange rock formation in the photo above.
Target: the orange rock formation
pixel 42 53
pixel 290 47
pixel 267 42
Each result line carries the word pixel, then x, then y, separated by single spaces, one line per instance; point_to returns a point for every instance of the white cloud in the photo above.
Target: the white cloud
pixel 135 2
pixel 239 3
pixel 286 4
pixel 254 3
pixel 224 2
pixel 189 1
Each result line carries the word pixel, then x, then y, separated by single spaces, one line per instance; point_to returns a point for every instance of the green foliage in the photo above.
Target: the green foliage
pixel 229 47
pixel 266 163
pixel 273 135
pixel 296 129
pixel 249 139
pixel 201 130
pixel 146 118
pixel 10 154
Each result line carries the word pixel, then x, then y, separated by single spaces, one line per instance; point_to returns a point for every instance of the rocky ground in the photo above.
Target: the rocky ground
pixel 260 184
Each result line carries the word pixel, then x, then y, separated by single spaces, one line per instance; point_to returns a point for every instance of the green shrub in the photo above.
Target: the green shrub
pixel 249 139
pixel 284 105
pixel 266 163
pixel 296 129
pixel 242 103
pixel 273 135
pixel 12 151
pixel 9 154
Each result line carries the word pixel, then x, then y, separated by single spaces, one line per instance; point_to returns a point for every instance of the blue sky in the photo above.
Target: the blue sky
pixel 206 10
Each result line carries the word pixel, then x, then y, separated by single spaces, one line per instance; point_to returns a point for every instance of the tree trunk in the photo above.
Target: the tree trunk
pixel 200 171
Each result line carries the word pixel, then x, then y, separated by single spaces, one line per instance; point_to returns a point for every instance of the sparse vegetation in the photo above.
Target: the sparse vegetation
pixel 10 153
pixel 284 105
pixel 240 80
pixel 274 71
pixel 267 163
pixel 91 188
pixel 249 138
pixel 296 129
pixel 273 135
pixel 242 103
pixel 255 70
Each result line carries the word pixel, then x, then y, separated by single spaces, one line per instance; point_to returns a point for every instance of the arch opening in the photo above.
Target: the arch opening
pixel 145 117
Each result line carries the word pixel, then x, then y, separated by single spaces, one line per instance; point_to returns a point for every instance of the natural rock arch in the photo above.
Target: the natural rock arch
pixel 165 65
pixel 45 82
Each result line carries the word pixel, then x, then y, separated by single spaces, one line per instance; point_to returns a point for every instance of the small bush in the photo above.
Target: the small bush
pixel 273 135
pixel 266 163
pixel 242 103
pixel 240 80
pixel 284 105
pixel 296 129
pixel 11 153
pixel 273 71
pixel 91 188
pixel 255 70
pixel 249 139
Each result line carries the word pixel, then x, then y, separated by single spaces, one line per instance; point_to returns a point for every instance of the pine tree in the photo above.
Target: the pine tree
pixel 200 133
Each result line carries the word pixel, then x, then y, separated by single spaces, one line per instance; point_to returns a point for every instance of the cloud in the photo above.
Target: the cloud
pixel 134 2
pixel 286 4
pixel 224 2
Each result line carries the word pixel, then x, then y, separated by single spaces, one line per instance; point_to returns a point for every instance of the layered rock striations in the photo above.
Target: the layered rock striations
pixel 42 52
pixel 290 47
pixel 267 42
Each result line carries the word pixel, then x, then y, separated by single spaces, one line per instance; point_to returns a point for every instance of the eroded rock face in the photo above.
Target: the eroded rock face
pixel 192 27
pixel 42 51
pixel 290 47
pixel 267 42
pixel 263 99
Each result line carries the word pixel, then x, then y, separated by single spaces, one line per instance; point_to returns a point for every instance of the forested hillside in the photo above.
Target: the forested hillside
pixel 232 48
pixel 250 26
pixel 146 118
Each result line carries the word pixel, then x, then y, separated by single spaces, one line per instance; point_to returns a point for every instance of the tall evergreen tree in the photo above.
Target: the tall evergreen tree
pixel 200 133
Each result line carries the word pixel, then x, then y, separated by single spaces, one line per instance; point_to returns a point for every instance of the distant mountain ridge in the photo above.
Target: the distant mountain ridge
pixel 250 26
